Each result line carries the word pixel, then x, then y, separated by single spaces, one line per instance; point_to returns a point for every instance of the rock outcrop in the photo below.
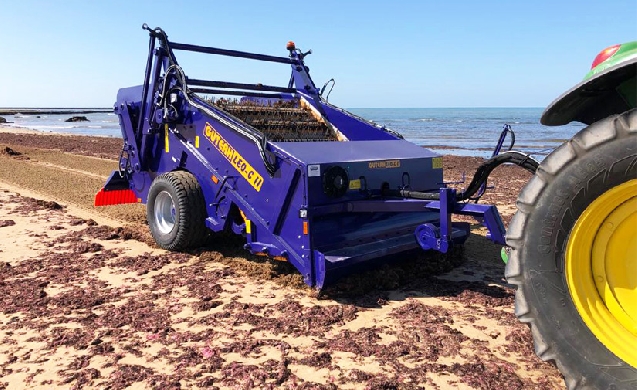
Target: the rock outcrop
pixel 77 119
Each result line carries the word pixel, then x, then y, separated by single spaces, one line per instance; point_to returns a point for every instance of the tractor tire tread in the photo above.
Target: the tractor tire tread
pixel 617 126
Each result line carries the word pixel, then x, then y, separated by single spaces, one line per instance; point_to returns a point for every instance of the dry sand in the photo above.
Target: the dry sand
pixel 87 301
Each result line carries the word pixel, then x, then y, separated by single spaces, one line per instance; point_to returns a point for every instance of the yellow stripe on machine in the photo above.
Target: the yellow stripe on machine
pixel 247 222
pixel 166 137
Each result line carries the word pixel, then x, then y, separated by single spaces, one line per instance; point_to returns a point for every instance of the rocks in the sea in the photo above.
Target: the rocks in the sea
pixel 77 119
pixel 3 120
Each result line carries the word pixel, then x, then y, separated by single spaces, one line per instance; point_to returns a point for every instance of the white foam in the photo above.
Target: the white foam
pixel 55 127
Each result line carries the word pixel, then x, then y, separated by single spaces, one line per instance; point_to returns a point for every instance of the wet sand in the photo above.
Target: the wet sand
pixel 88 301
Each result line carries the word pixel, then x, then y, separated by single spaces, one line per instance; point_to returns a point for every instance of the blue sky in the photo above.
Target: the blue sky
pixel 460 53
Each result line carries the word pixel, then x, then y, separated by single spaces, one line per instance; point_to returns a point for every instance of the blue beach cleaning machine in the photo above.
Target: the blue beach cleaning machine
pixel 302 180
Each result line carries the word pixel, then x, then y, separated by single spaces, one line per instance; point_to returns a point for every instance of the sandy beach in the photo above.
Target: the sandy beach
pixel 88 301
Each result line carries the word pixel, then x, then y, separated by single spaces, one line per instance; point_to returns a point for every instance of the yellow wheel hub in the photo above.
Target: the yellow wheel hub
pixel 601 269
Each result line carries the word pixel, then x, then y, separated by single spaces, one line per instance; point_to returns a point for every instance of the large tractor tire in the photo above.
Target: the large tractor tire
pixel 176 211
pixel 574 256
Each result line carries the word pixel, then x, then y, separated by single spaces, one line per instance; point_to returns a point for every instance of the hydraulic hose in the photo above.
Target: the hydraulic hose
pixel 479 178
pixel 485 169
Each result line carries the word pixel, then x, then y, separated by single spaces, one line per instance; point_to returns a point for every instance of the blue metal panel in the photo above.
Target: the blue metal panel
pixel 366 150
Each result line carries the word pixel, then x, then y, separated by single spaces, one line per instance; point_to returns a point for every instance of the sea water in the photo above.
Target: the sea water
pixel 458 131
pixel 471 131
pixel 99 124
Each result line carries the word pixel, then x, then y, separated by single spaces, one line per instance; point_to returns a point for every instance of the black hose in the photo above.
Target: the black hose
pixel 413 194
pixel 479 178
pixel 485 169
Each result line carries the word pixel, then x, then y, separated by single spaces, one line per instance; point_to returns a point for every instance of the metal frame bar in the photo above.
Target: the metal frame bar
pixel 232 53
pixel 250 87
pixel 236 93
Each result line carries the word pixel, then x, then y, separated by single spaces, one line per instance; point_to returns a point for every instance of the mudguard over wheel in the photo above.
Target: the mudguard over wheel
pixel 574 256
pixel 176 211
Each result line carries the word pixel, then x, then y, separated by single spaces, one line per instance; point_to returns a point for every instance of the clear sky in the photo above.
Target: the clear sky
pixel 77 53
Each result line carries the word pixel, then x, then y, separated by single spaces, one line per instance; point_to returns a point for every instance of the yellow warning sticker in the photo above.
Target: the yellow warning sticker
pixel 238 162
pixel 166 132
pixel 436 163
pixel 385 164
pixel 355 184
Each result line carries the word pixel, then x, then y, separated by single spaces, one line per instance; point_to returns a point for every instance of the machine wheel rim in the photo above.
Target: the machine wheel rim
pixel 165 212
pixel 601 269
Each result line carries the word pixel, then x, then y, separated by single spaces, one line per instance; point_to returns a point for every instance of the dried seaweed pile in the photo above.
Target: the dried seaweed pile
pixel 104 147
pixel 279 121
pixel 177 321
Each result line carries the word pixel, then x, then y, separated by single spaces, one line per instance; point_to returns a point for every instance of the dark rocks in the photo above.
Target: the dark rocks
pixel 77 119
pixel 3 120
pixel 54 111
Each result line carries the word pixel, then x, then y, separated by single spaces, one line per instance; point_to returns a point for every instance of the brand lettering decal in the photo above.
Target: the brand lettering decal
pixel 386 164
pixel 238 162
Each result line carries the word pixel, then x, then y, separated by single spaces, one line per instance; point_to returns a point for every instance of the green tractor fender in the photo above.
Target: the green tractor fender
pixel 609 88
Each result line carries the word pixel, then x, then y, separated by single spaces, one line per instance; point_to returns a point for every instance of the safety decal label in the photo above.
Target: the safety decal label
pixel 436 163
pixel 385 164
pixel 238 162
pixel 313 170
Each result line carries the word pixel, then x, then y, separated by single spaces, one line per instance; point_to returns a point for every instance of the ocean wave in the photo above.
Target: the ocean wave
pixel 56 127
pixel 67 127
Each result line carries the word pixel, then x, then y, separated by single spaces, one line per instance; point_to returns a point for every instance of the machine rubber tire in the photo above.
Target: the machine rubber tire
pixel 176 211
pixel 599 158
